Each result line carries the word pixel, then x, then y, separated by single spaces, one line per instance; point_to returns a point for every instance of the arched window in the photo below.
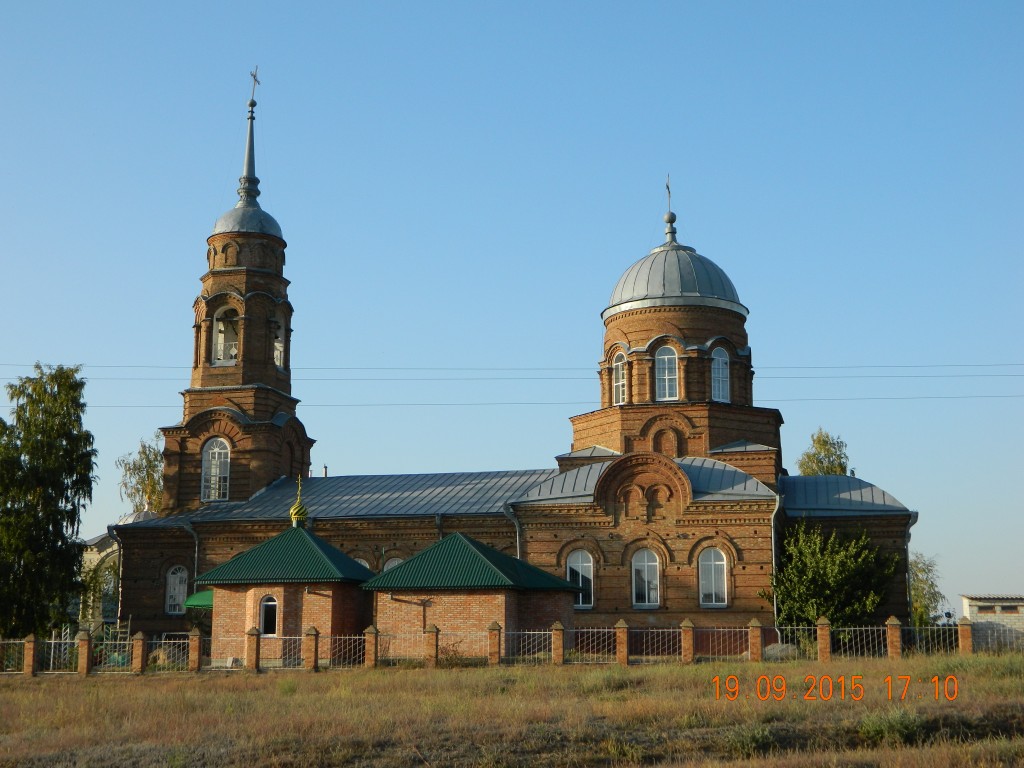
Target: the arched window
pixel 645 579
pixel 362 562
pixel 177 590
pixel 619 379
pixel 579 568
pixel 225 337
pixel 666 375
pixel 720 376
pixel 268 616
pixel 277 331
pixel 216 469
pixel 711 566
pixel 390 563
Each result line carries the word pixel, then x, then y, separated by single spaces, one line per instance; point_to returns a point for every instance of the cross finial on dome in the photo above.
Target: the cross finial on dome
pixel 670 218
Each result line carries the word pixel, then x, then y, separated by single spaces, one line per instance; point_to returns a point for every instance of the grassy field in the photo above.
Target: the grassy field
pixel 604 716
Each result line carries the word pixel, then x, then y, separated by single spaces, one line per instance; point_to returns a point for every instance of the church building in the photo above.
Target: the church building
pixel 670 503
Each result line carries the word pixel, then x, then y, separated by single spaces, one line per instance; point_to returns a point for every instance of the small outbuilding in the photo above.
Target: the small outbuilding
pixel 283 586
pixel 463 586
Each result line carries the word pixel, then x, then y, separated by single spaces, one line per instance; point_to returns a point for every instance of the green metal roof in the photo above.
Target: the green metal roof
pixel 459 562
pixel 202 600
pixel 296 555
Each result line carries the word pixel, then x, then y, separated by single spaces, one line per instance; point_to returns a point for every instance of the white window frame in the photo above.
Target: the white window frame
pixel 224 344
pixel 176 590
pixel 361 562
pixel 277 333
pixel 712 578
pixel 579 570
pixel 266 602
pixel 720 376
pixel 666 374
pixel 619 379
pixel 216 479
pixel 646 579
pixel 390 563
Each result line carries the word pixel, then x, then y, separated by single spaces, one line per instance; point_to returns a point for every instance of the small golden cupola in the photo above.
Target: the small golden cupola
pixel 298 512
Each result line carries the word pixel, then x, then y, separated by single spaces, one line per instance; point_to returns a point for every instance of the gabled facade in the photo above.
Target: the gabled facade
pixel 669 504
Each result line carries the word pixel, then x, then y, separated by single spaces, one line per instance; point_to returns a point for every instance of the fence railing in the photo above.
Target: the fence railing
pixel 113 652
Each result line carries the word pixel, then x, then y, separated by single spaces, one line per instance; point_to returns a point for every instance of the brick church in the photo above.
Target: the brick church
pixel 670 503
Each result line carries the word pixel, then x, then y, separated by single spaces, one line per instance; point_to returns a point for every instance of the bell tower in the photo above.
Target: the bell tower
pixel 239 431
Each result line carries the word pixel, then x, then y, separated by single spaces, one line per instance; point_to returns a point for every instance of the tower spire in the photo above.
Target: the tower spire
pixel 249 184
pixel 670 218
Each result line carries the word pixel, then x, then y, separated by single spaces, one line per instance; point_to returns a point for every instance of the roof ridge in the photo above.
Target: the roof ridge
pixel 476 548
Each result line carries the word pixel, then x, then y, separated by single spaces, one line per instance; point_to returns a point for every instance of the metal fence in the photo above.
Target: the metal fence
pixel 462 649
pixel 166 655
pixel 789 643
pixel 943 639
pixel 531 647
pixel 721 643
pixel 651 646
pixel 859 642
pixel 59 656
pixel 595 645
pixel 280 652
pixel 12 656
pixel 224 660
pixel 345 651
pixel 994 637
pixel 397 649
pixel 112 654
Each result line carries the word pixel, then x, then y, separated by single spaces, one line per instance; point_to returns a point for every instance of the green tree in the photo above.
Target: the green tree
pixel 46 475
pixel 142 476
pixel 826 456
pixel 843 579
pixel 926 599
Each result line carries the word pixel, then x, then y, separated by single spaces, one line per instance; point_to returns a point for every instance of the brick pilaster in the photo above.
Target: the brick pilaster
pixel 557 643
pixel 686 630
pixel 252 649
pixel 370 652
pixel 893 637
pixel 622 643
pixel 755 640
pixel 138 653
pixel 195 650
pixel 84 652
pixel 964 631
pixel 30 664
pixel 494 644
pixel 430 642
pixel 311 650
pixel 824 640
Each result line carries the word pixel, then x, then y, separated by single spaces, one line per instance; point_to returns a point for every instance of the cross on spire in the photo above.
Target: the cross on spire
pixel 255 82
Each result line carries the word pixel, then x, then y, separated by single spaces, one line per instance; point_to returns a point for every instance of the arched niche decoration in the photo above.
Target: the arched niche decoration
pixel 221 422
pixel 668 335
pixel 589 543
pixel 733 554
pixel 669 434
pixel 643 471
pixel 652 542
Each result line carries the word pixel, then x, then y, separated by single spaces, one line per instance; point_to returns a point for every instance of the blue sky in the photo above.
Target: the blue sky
pixel 461 185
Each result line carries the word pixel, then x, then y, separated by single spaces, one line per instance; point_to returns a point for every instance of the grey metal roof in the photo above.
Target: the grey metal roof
pixel 835 496
pixel 742 446
pixel 993 597
pixel 361 496
pixel 673 275
pixel 586 453
pixel 711 481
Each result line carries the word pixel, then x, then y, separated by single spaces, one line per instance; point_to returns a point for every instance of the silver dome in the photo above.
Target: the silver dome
pixel 248 218
pixel 674 275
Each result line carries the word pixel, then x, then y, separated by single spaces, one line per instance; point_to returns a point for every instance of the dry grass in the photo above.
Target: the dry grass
pixel 607 716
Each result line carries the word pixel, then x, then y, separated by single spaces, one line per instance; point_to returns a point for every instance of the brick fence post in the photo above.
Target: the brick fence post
pixel 30 664
pixel 84 652
pixel 430 642
pixel 311 650
pixel 755 640
pixel 371 636
pixel 893 637
pixel 252 649
pixel 557 643
pixel 195 649
pixel 686 644
pixel 966 637
pixel 138 653
pixel 494 644
pixel 824 640
pixel 622 643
